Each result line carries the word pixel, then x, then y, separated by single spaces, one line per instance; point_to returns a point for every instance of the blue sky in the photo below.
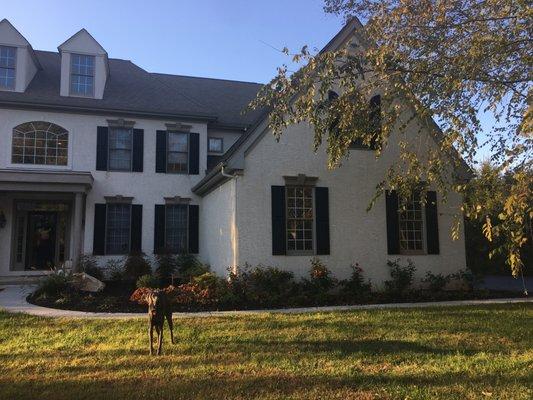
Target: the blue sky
pixel 228 39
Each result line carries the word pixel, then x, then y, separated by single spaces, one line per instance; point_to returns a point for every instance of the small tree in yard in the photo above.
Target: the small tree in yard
pixel 167 266
pixel 447 61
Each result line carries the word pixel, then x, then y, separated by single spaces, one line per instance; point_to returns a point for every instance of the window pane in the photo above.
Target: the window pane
pixel 120 145
pixel 82 74
pixel 177 142
pixel 176 228
pixel 38 143
pixel 411 224
pixel 215 145
pixel 299 218
pixel 177 156
pixel 118 229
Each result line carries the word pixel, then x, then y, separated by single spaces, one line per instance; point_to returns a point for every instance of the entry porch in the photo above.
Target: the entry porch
pixel 41 219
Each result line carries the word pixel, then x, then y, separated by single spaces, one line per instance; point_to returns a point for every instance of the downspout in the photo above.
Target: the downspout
pixel 234 230
pixel 224 174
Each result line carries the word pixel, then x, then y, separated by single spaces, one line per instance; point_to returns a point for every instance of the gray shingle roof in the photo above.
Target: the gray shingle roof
pixel 131 89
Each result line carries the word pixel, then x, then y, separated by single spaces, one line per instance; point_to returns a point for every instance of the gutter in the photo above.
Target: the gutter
pixel 108 111
pixel 216 177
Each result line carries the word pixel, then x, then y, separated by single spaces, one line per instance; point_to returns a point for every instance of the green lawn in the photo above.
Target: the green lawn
pixel 458 353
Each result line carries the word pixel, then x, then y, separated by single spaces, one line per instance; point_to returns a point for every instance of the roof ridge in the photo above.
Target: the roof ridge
pixel 205 77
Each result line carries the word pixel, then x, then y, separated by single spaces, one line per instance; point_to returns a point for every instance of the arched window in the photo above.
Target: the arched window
pixel 39 142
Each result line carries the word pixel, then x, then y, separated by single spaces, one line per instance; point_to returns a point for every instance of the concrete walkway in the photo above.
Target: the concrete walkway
pixel 13 300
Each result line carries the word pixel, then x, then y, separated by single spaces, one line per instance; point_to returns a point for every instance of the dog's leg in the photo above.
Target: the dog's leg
pixel 160 337
pixel 169 320
pixel 151 336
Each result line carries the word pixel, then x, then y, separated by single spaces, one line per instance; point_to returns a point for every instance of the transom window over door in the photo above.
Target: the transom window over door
pixel 82 75
pixel 176 228
pixel 411 225
pixel 178 152
pixel 120 149
pixel 300 218
pixel 118 228
pixel 41 143
pixel 8 63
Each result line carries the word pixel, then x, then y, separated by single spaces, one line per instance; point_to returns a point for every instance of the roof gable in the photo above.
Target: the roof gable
pixel 10 36
pixel 82 41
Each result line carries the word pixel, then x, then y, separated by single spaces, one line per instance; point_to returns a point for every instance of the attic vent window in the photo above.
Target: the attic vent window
pixel 82 75
pixel 7 67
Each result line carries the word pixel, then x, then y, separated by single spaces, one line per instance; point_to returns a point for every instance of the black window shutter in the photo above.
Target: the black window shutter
pixel 279 245
pixel 393 222
pixel 101 148
pixel 194 153
pixel 194 221
pixel 161 151
pixel 432 223
pixel 99 229
pixel 138 150
pixel 159 228
pixel 322 220
pixel 136 228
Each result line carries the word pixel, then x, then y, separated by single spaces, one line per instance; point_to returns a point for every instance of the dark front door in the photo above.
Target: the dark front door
pixel 42 239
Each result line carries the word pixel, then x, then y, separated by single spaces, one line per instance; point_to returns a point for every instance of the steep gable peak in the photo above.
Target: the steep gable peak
pixel 82 41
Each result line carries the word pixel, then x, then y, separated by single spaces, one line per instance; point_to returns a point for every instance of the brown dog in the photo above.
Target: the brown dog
pixel 158 310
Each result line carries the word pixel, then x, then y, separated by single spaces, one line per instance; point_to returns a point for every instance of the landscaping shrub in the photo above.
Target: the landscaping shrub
pixel 136 265
pixel 402 277
pixel 261 286
pixel 115 269
pixel 147 281
pixel 188 266
pixel 166 266
pixel 468 278
pixel 436 282
pixel 319 288
pixel 87 263
pixel 206 290
pixel 356 287
pixel 52 286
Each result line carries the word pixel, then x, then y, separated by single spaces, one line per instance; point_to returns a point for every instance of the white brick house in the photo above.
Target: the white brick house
pixel 102 157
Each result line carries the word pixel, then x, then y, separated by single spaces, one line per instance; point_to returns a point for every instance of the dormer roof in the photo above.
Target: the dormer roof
pixel 11 36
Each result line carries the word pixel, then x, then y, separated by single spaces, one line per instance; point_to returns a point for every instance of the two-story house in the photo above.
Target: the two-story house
pixel 100 156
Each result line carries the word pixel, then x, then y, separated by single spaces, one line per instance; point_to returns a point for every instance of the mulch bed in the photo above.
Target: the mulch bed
pixel 115 299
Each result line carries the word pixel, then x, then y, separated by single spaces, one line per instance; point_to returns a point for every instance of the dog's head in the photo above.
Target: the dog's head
pixel 156 300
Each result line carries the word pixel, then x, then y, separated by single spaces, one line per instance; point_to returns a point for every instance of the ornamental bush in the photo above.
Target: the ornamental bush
pixel 401 277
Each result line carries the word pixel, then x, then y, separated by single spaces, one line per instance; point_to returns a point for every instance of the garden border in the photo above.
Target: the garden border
pixel 13 300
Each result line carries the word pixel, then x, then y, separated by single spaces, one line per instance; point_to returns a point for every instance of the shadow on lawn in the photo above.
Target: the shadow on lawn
pixel 246 385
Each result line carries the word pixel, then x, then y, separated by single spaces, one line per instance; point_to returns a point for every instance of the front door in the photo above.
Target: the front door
pixel 42 239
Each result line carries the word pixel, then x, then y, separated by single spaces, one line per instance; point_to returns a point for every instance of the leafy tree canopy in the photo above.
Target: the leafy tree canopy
pixel 446 61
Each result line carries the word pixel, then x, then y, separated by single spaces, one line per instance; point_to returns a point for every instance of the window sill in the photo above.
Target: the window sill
pixel 413 253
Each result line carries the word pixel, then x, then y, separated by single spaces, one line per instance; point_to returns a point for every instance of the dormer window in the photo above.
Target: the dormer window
pixel 7 67
pixel 82 75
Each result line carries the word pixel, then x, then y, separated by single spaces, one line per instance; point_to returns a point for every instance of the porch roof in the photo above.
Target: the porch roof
pixel 45 181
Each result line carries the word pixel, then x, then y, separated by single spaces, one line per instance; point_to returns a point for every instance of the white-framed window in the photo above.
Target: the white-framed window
pixel 300 218
pixel 118 225
pixel 82 75
pixel 8 67
pixel 120 149
pixel 411 217
pixel 216 145
pixel 39 143
pixel 176 228
pixel 178 152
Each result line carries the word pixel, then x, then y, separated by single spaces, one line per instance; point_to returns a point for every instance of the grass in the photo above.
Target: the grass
pixel 458 353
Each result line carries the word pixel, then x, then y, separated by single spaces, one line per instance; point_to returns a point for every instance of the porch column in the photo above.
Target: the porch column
pixel 76 230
